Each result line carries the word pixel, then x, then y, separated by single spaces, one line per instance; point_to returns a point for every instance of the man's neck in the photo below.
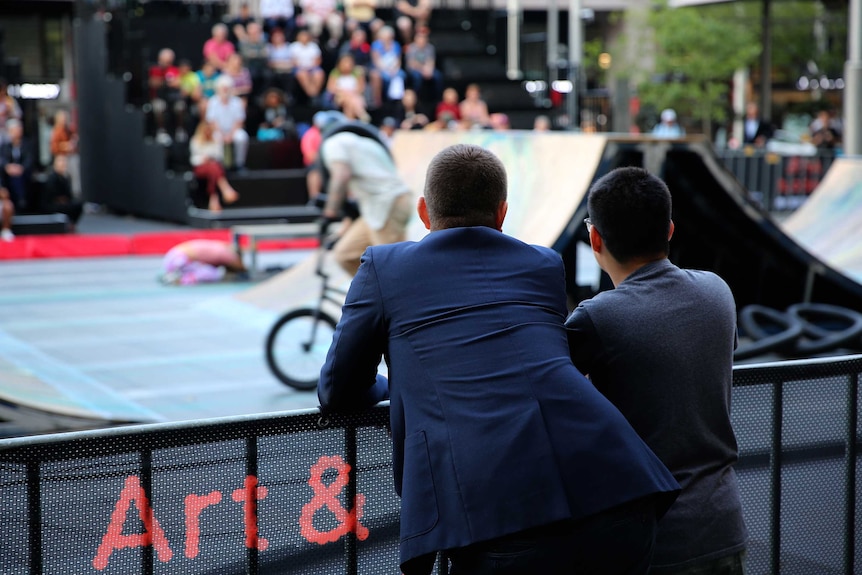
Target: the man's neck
pixel 618 272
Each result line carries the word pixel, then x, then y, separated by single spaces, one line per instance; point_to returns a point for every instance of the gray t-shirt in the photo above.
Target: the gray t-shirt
pixel 660 348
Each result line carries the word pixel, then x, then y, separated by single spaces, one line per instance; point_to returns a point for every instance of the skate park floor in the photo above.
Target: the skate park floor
pixel 101 337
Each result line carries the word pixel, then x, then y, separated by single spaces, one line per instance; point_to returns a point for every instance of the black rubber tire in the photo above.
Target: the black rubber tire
pixel 819 339
pixel 274 349
pixel 764 342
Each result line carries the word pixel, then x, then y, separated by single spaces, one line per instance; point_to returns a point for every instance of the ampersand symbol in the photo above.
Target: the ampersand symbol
pixel 327 496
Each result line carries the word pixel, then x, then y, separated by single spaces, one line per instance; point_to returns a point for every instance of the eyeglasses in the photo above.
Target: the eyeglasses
pixel 589 223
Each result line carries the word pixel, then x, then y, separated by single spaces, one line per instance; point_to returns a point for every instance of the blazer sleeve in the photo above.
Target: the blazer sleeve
pixel 584 344
pixel 349 380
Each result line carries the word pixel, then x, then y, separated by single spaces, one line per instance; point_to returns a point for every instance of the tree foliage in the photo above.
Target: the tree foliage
pixel 696 50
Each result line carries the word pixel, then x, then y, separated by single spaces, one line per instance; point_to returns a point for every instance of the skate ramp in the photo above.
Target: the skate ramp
pixel 549 175
pixel 54 396
pixel 718 227
pixel 829 223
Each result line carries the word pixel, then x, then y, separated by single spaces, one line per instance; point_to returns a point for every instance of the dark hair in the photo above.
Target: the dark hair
pixel 631 210
pixel 464 186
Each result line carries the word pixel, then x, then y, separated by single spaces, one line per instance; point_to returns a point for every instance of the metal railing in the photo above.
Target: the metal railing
pixel 296 492
pixel 778 182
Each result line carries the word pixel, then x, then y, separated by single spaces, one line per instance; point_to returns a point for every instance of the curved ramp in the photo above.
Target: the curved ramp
pixel 549 175
pixel 829 223
pixel 718 227
pixel 56 396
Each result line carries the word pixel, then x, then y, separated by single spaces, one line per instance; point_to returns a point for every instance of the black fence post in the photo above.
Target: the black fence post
pixel 252 554
pixel 350 551
pixel 147 551
pixel 34 495
pixel 775 478
pixel 850 471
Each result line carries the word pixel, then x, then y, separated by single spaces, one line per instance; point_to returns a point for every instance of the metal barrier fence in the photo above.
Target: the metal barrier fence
pixel 778 182
pixel 295 492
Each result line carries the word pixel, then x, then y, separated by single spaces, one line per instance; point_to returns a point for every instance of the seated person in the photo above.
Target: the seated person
pixel 57 193
pixel 64 141
pixel 7 212
pixel 307 58
pixel 226 113
pixel 240 75
pixel 199 261
pixel 190 93
pixel 278 14
pixel 421 64
pixel 411 15
pixel 409 114
pixel 17 159
pixel 9 108
pixel 207 153
pixel 387 77
pixel 238 26
pixel 359 48
pixel 280 62
pixel 254 51
pixel 207 76
pixel 345 89
pixel 449 104
pixel 319 13
pixel 218 48
pixel 360 13
pixel 474 110
pixel 276 121
pixel 165 95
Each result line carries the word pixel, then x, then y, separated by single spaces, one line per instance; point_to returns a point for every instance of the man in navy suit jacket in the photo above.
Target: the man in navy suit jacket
pixel 501 447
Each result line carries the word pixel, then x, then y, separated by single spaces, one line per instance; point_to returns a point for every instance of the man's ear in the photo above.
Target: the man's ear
pixel 670 232
pixel 500 216
pixel 422 208
pixel 596 241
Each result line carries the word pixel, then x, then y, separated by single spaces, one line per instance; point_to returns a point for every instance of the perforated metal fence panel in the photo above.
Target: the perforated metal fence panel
pixel 294 493
pixel 271 494
pixel 798 431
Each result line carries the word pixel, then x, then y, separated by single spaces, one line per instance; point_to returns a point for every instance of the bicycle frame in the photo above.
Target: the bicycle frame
pixel 326 291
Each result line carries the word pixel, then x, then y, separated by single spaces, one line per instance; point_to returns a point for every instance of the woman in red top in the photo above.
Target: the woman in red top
pixel 449 104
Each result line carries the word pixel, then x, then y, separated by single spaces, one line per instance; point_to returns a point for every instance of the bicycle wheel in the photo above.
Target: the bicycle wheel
pixel 291 354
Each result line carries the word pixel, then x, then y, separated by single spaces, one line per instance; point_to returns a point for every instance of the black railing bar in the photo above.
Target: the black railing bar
pixel 350 547
pixel 34 496
pixel 796 369
pixel 775 478
pixel 754 458
pixel 147 553
pixel 850 468
pixel 177 433
pixel 123 471
pixel 251 470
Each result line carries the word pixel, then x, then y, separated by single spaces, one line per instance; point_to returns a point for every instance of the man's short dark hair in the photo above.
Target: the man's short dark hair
pixel 631 210
pixel 464 186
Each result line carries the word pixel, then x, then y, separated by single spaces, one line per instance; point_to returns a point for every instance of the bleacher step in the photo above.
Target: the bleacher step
pixel 200 218
pixel 33 224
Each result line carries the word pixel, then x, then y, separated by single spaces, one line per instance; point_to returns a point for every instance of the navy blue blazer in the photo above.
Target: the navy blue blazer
pixel 494 430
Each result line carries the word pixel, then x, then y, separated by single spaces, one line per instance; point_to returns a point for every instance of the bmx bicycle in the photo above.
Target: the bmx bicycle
pixel 298 341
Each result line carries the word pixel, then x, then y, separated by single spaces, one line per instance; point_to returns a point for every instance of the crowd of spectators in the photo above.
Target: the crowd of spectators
pixel 257 70
pixel 61 192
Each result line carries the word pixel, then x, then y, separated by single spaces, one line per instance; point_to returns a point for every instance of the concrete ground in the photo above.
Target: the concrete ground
pixel 103 335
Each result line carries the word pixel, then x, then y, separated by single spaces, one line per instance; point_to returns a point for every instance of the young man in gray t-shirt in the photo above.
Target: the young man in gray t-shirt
pixel 660 347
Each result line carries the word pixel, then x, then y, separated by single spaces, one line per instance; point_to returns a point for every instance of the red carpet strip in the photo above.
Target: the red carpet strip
pixel 151 243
